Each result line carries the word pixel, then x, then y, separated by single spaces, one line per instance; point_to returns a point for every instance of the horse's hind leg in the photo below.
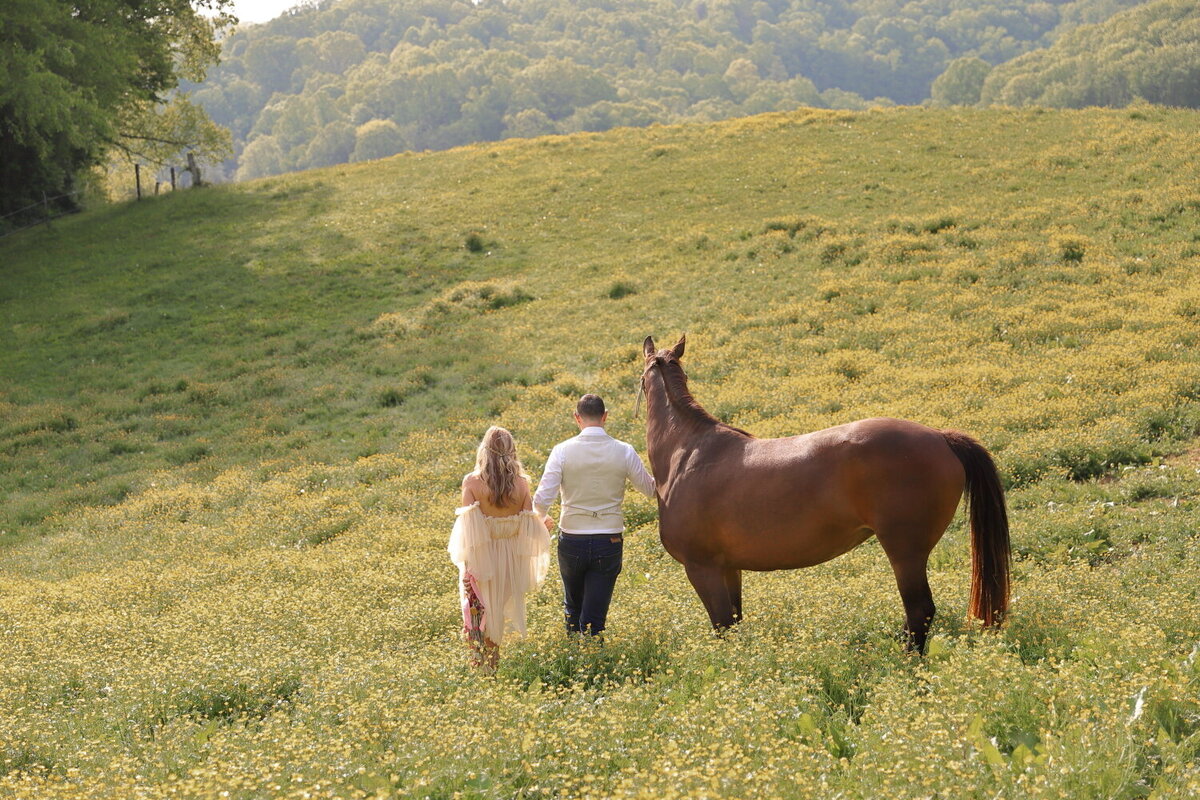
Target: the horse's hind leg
pixel 908 546
pixel 709 583
pixel 908 550
pixel 913 583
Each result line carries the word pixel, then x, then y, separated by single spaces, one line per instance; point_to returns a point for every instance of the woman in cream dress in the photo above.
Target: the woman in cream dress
pixel 500 546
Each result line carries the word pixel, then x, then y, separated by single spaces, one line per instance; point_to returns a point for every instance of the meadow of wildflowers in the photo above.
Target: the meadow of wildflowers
pixel 233 423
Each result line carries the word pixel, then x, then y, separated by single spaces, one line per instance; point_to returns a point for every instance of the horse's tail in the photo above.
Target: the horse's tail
pixel 990 552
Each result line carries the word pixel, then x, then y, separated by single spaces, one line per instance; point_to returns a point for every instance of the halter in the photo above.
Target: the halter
pixel 637 403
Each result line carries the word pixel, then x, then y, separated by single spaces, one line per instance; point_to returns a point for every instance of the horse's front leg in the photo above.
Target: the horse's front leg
pixel 733 584
pixel 709 582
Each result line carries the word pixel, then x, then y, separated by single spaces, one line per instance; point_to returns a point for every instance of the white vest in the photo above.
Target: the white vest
pixel 594 469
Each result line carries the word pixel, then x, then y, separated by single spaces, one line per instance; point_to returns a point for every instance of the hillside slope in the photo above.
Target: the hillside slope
pixel 234 420
pixel 326 315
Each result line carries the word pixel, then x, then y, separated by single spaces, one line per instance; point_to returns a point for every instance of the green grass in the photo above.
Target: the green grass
pixel 233 423
pixel 286 318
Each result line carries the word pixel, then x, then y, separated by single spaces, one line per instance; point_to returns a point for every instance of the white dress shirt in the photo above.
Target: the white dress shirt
pixel 590 470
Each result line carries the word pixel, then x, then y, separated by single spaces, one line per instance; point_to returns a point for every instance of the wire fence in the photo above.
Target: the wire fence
pixel 45 217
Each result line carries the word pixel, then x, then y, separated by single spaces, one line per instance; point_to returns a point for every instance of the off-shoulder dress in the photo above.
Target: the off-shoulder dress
pixel 500 560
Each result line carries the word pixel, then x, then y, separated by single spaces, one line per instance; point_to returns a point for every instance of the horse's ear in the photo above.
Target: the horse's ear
pixel 648 346
pixel 677 350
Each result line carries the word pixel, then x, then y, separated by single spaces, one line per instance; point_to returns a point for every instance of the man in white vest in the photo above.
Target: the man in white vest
pixel 590 470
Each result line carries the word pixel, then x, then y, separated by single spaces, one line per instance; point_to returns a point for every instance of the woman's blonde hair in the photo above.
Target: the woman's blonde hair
pixel 497 464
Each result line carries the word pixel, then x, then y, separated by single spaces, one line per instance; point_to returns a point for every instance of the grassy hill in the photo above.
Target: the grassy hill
pixel 233 423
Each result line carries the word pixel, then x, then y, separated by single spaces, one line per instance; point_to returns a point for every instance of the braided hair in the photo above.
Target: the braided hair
pixel 496 462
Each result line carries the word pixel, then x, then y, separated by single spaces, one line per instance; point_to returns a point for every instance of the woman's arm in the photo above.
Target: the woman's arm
pixel 468 493
pixel 528 504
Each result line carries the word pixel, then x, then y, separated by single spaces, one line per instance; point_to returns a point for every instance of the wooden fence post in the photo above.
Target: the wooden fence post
pixel 195 170
pixel 172 179
pixel 137 179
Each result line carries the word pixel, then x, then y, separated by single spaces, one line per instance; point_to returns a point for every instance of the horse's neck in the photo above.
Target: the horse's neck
pixel 660 442
pixel 671 427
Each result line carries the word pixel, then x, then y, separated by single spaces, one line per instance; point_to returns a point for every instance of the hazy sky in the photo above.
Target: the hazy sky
pixel 249 11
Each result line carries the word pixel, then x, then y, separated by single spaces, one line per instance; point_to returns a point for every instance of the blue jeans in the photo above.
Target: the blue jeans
pixel 589 566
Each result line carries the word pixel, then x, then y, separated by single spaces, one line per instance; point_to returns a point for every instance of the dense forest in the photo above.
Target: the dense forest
pixel 1149 53
pixel 349 80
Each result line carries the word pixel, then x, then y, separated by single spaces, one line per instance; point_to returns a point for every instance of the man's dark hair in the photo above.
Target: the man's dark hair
pixel 590 406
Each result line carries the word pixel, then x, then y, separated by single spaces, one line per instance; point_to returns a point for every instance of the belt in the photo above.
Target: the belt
pixel 587 512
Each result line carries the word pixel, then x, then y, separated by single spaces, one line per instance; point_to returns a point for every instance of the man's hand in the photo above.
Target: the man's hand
pixel 549 523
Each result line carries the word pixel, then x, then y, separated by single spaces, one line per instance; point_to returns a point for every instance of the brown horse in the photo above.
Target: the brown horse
pixel 728 501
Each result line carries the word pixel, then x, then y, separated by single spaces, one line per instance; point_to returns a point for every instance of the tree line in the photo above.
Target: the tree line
pixel 331 82
pixel 89 87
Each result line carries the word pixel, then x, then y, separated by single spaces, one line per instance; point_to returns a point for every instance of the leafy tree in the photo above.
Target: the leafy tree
pixel 742 77
pixel 962 82
pixel 332 51
pixel 378 138
pixel 234 104
pixel 262 157
pixel 782 96
pixel 605 115
pixel 79 79
pixel 333 145
pixel 270 62
pixel 528 123
pixel 561 86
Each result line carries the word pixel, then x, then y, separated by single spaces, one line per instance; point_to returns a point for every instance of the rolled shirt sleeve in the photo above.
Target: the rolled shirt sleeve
pixel 547 491
pixel 642 481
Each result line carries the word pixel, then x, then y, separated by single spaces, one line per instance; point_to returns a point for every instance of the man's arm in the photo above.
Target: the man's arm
pixel 641 480
pixel 547 491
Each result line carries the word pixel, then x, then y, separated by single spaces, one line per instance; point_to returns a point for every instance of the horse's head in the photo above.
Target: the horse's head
pixel 658 358
pixel 670 392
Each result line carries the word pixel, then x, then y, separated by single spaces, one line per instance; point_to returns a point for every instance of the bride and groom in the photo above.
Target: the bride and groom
pixel 501 540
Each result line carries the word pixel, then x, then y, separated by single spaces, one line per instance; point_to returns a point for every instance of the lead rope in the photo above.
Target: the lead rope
pixel 637 402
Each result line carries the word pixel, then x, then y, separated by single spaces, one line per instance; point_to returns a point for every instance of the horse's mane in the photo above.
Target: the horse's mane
pixel 681 397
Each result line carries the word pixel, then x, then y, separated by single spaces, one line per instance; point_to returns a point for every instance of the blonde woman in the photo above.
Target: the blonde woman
pixel 500 545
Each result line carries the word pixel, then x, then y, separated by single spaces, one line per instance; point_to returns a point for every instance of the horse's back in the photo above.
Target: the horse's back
pixel 871 445
pixel 801 500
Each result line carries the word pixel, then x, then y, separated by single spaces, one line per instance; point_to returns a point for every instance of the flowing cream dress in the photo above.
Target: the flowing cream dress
pixel 500 559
